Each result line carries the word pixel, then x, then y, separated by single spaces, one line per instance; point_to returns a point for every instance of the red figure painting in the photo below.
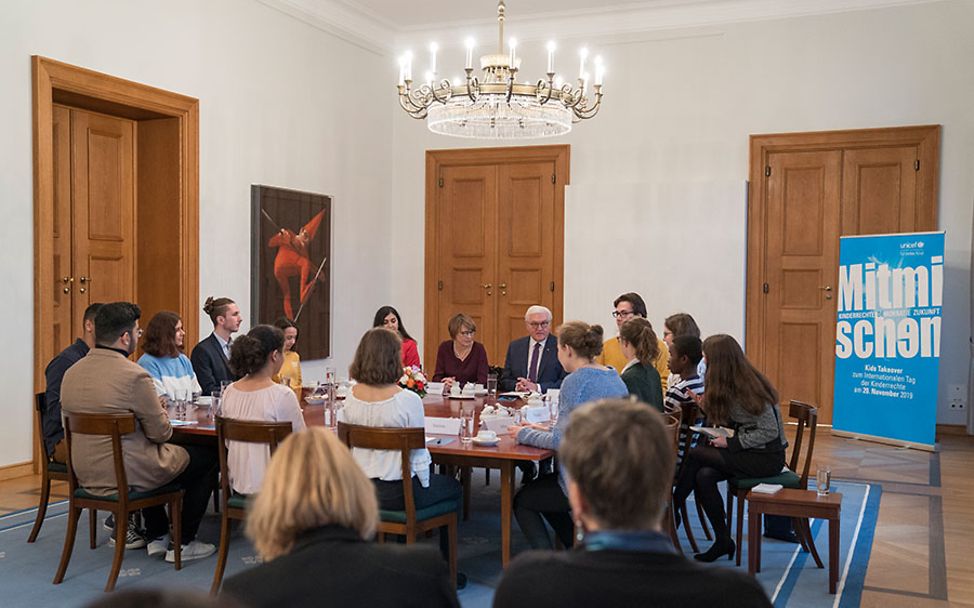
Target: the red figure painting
pixel 292 260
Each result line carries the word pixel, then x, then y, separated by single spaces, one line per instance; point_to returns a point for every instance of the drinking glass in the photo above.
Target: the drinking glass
pixel 517 415
pixel 466 425
pixel 491 388
pixel 823 481
pixel 215 405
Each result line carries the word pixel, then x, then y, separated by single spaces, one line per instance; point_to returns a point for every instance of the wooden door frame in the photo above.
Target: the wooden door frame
pixel 559 154
pixel 57 82
pixel 925 137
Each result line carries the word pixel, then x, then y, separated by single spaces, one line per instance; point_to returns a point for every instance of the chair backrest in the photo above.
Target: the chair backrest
pixel 807 416
pixel 245 431
pixel 40 404
pixel 110 425
pixel 672 424
pixel 402 440
pixel 689 415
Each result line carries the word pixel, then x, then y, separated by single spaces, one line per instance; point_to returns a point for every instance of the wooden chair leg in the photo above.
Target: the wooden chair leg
pixel 806 532
pixel 740 526
pixel 465 475
pixel 73 516
pixel 487 476
pixel 121 530
pixel 176 521
pixel 93 529
pixel 730 506
pixel 703 521
pixel 380 537
pixel 451 531
pixel 41 508
pixel 670 516
pixel 221 556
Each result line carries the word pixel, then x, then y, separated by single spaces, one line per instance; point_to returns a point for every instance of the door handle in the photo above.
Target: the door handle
pixel 67 284
pixel 83 279
pixel 828 291
pixel 503 285
pixel 826 288
pixel 487 286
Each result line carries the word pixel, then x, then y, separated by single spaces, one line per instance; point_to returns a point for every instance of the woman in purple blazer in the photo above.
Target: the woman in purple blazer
pixel 461 359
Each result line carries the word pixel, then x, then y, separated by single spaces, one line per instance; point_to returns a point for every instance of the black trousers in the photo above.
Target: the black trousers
pixel 442 487
pixel 540 500
pixel 706 466
pixel 197 480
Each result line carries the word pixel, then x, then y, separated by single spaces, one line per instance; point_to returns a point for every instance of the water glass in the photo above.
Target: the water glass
pixel 491 388
pixel 466 426
pixel 517 418
pixel 216 402
pixel 823 481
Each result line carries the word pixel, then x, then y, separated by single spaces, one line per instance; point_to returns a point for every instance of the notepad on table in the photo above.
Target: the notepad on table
pixel 767 488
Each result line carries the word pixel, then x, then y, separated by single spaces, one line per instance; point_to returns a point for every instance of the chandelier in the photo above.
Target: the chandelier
pixel 494 105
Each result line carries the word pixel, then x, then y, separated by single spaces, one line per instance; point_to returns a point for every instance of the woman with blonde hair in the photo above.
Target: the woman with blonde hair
pixel 318 509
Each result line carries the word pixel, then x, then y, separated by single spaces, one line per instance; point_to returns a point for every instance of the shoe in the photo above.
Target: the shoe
pixel 788 537
pixel 461 581
pixel 717 550
pixel 158 546
pixel 134 538
pixel 194 550
pixel 109 523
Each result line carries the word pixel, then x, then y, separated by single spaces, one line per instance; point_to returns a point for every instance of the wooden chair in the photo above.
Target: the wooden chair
pixel 122 502
pixel 51 471
pixel 410 522
pixel 689 415
pixel 807 416
pixel 234 506
pixel 672 424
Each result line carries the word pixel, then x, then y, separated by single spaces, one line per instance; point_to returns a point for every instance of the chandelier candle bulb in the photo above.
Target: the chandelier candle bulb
pixel 407 60
pixel 513 45
pixel 583 55
pixel 599 71
pixel 433 49
pixel 470 45
pixel 551 57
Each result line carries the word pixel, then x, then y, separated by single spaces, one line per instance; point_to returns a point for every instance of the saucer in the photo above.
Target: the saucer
pixel 487 442
pixel 460 396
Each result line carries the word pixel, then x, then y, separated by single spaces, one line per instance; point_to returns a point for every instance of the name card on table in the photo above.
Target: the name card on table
pixel 535 415
pixel 442 426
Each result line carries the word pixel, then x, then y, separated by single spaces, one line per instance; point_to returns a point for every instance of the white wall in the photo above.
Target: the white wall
pixel 661 171
pixel 270 113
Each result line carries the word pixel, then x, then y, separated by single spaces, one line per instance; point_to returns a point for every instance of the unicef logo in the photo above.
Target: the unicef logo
pixel 913 245
pixel 919 244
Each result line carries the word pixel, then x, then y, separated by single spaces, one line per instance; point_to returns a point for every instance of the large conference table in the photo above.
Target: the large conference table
pixel 504 456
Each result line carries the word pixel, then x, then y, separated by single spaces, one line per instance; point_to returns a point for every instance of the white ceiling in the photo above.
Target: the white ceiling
pixel 388 26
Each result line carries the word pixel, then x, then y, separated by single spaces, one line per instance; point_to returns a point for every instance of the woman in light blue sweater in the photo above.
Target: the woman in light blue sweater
pixel 170 369
pixel 547 497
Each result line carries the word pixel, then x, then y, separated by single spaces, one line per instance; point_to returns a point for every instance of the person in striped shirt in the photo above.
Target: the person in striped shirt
pixel 685 355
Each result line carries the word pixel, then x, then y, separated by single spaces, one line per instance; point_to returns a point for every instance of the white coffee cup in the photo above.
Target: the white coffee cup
pixel 455 388
pixel 486 435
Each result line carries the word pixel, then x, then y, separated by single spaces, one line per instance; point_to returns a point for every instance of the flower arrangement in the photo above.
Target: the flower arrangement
pixel 413 380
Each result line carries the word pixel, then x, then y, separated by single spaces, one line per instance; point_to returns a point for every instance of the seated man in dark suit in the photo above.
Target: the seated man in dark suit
pixel 619 460
pixel 51 425
pixel 532 361
pixel 212 355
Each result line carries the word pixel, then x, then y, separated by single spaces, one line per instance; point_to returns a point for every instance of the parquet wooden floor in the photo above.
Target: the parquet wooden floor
pixel 922 551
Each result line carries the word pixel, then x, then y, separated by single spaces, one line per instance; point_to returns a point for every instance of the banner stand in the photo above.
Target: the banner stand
pixel 886 440
pixel 887 338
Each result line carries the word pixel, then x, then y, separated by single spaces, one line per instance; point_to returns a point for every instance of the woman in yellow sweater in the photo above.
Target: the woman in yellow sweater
pixel 290 373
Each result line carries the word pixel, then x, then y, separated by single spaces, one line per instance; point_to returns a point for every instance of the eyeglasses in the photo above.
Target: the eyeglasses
pixel 468 332
pixel 539 324
pixel 622 314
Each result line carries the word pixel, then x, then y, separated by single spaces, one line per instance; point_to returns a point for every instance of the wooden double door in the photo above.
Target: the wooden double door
pixel 494 240
pixel 94 215
pixel 807 190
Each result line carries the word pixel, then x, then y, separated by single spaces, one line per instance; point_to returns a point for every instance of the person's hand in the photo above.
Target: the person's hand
pixel 697 398
pixel 719 442
pixel 523 384
pixel 448 382
pixel 514 429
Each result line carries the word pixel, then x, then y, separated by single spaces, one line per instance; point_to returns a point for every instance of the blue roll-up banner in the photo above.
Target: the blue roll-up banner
pixel 887 337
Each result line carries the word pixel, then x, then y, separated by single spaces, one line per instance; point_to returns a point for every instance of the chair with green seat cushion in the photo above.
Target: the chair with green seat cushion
pixel 411 521
pixel 233 505
pixel 120 504
pixel 807 417
pixel 54 471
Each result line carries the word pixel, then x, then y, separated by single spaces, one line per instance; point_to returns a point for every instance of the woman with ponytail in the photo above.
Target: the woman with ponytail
pixel 640 346
pixel 256 358
pixel 547 497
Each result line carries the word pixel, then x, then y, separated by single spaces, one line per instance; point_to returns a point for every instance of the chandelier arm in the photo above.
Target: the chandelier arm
pixel 586 112
pixel 473 89
pixel 540 91
pixel 443 87
pixel 418 113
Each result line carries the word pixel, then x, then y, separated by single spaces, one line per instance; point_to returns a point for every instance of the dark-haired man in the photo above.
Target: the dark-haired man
pixel 211 356
pixel 53 375
pixel 107 382
pixel 627 306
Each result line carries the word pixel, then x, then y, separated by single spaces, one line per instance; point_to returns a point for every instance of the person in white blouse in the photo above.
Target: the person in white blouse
pixel 256 357
pixel 377 400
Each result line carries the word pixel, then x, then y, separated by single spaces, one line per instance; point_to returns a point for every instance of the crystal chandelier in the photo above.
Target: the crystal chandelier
pixel 495 105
